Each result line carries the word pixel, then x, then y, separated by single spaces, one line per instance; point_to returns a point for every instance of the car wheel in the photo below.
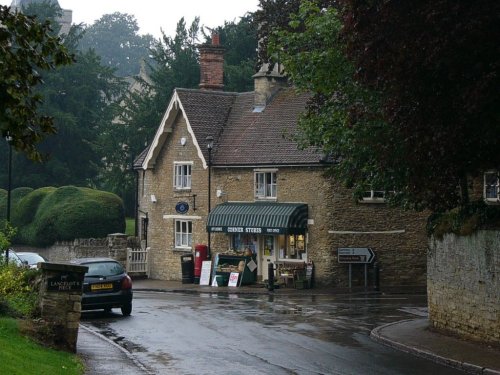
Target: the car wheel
pixel 126 309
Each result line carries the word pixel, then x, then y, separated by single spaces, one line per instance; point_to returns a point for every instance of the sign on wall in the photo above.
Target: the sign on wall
pixel 64 283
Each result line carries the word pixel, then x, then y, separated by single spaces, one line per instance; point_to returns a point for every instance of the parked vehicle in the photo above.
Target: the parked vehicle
pixel 31 259
pixel 106 285
pixel 13 258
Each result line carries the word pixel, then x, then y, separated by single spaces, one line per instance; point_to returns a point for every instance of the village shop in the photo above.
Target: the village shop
pixel 268 232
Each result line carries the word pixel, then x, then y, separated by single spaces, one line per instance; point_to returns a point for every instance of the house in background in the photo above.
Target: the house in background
pixel 223 170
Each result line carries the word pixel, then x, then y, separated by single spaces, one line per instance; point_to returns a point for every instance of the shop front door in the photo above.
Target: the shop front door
pixel 267 254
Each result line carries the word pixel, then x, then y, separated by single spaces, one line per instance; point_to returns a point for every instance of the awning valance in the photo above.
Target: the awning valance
pixel 258 218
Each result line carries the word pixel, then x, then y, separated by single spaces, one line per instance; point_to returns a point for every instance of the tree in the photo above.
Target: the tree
pixel 115 38
pixel 27 47
pixel 240 41
pixel 404 94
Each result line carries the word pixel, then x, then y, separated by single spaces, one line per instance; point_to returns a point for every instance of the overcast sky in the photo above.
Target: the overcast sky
pixel 153 15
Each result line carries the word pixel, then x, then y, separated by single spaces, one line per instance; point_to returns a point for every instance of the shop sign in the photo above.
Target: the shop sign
pixel 250 230
pixel 64 283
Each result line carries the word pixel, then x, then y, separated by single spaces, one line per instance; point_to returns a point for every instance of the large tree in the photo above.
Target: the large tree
pixel 115 38
pixel 405 93
pixel 27 48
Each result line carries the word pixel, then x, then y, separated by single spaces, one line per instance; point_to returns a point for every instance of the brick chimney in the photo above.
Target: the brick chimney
pixel 212 65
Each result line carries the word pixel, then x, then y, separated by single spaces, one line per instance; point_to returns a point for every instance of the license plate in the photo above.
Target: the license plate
pixel 101 286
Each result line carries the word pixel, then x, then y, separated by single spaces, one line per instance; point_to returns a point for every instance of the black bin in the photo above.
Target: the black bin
pixel 187 266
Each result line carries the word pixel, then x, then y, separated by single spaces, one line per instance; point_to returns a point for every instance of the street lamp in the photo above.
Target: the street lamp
pixel 9 138
pixel 210 145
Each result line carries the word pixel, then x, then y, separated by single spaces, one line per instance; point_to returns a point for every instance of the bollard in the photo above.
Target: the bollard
pixel 376 281
pixel 270 276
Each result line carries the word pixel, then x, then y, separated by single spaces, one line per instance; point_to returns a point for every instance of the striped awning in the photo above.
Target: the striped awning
pixel 258 218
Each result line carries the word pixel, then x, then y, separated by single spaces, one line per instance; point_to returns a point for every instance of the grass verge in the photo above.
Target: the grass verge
pixel 21 356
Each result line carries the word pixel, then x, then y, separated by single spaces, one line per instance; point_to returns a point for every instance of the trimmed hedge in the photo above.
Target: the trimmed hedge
pixel 49 214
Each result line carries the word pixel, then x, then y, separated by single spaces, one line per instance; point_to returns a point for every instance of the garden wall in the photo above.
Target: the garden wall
pixel 463 285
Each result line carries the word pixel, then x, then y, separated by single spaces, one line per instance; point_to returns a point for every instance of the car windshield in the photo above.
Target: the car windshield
pixel 103 269
pixel 31 258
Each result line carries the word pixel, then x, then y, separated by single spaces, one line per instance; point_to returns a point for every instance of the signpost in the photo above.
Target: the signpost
pixel 357 255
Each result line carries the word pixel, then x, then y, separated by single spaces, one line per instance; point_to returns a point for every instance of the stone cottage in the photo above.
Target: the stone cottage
pixel 224 170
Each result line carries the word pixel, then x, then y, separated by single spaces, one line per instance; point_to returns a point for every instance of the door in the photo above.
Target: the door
pixel 267 252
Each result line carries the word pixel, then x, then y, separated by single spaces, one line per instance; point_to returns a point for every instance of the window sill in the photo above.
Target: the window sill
pixel 182 249
pixel 492 201
pixel 372 200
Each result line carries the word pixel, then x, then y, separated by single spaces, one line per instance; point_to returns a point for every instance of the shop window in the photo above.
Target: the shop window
pixel 265 184
pixel 492 186
pixel 295 248
pixel 183 234
pixel 182 175
pixel 240 242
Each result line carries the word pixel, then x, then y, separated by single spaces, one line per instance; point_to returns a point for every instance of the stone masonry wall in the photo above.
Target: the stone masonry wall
pixel 397 237
pixel 463 285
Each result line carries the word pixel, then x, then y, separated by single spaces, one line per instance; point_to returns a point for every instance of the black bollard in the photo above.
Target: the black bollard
pixel 270 276
pixel 376 281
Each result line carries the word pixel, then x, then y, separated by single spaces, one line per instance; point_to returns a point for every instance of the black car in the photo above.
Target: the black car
pixel 106 285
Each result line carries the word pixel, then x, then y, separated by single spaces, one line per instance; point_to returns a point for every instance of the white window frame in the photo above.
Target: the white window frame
pixel 263 188
pixel 373 196
pixel 495 186
pixel 183 234
pixel 183 175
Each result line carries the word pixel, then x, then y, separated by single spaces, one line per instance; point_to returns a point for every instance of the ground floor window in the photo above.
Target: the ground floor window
pixel 183 234
pixel 241 242
pixel 492 186
pixel 293 247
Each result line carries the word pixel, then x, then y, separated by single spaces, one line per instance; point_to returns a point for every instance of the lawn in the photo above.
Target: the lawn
pixel 130 226
pixel 21 356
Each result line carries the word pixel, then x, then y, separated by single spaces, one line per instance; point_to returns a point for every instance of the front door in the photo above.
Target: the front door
pixel 267 252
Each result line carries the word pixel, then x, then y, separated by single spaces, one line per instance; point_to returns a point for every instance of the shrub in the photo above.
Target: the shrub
pixel 465 220
pixel 18 290
pixel 66 213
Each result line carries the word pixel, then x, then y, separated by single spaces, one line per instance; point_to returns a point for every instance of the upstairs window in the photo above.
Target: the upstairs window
pixel 265 184
pixel 373 196
pixel 492 186
pixel 182 176
pixel 183 234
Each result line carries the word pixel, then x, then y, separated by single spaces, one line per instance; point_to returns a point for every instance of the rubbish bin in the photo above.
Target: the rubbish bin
pixel 187 266
pixel 201 254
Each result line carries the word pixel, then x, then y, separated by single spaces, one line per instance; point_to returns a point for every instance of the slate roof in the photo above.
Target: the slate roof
pixel 242 136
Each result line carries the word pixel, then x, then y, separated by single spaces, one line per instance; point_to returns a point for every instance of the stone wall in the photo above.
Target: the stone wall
pixel 114 246
pixel 463 285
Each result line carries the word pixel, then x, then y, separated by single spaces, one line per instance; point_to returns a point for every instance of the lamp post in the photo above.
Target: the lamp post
pixel 8 138
pixel 210 145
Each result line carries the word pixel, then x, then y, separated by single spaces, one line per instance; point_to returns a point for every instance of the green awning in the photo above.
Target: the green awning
pixel 258 218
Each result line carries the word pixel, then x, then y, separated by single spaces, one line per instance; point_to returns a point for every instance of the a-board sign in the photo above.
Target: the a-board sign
pixel 355 255
pixel 233 279
pixel 206 268
pixel 64 283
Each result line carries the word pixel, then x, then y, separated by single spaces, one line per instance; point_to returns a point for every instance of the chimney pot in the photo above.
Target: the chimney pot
pixel 215 39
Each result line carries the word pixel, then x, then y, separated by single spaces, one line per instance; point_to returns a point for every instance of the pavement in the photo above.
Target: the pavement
pixel 103 356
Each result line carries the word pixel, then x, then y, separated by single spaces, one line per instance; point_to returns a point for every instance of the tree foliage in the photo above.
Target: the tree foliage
pixel 404 93
pixel 27 48
pixel 115 38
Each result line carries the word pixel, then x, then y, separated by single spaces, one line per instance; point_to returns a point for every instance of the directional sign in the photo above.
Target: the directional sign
pixel 355 255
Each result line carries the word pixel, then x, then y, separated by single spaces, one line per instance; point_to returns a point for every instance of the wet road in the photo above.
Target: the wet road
pixel 174 333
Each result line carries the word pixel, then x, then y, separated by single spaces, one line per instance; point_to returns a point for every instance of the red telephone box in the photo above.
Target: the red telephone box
pixel 200 254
